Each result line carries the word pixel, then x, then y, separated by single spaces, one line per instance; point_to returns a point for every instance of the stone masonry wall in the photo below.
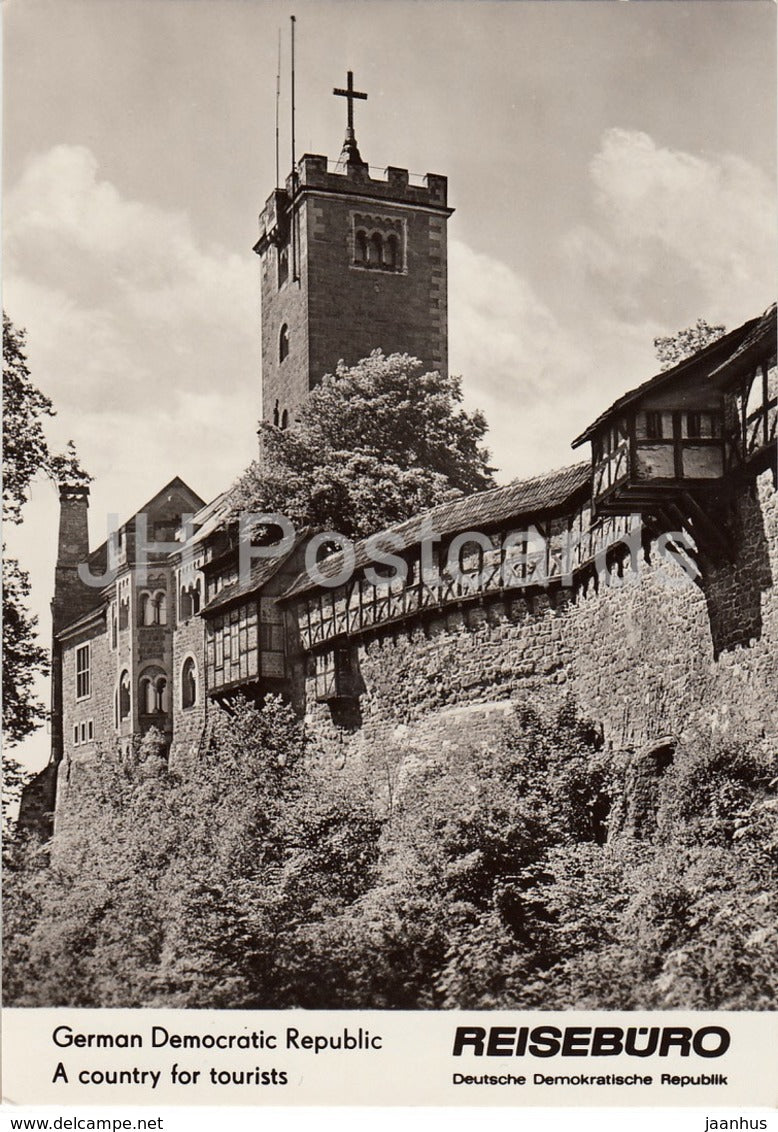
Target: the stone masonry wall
pixel 98 706
pixel 188 723
pixel 642 656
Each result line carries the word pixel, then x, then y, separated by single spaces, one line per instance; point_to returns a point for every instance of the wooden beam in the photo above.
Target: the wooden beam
pixel 712 532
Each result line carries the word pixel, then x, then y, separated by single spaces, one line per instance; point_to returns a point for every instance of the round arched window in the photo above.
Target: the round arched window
pixel 124 695
pixel 188 683
pixel 283 343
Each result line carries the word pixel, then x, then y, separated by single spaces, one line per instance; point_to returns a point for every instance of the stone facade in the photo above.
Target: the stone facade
pixel 336 299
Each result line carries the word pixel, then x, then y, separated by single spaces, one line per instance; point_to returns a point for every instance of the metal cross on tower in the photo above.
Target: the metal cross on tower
pixel 350 152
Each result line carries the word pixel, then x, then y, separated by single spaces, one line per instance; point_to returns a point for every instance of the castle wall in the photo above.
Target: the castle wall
pixel 98 708
pixel 188 723
pixel 644 656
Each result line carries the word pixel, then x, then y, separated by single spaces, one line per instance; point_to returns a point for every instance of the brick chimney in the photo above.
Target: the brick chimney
pixel 71 596
pixel 72 550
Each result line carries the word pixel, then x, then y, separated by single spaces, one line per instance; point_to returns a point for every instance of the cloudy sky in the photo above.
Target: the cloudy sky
pixel 612 166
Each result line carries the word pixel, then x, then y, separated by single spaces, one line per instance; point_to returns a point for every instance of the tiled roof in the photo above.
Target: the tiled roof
pixel 262 570
pixel 719 352
pixel 480 512
pixel 754 343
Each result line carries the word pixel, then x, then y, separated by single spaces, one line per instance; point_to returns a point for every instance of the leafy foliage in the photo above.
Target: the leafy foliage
pixel 684 343
pixel 23 657
pixel 265 878
pixel 26 454
pixel 373 445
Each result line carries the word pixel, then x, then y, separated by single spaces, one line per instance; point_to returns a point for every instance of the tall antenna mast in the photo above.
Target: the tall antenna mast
pixel 294 170
pixel 293 21
pixel 278 100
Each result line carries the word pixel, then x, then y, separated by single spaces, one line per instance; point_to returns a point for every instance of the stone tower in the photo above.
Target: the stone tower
pixel 350 263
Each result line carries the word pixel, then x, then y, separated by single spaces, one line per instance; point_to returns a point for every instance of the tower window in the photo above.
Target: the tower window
pixel 83 672
pixel 375 251
pixel 283 343
pixel 378 242
pixel 276 416
pixel 360 248
pixel 285 419
pixel 391 253
pixel 283 266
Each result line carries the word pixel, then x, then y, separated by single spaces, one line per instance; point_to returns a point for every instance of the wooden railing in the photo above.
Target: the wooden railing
pixel 521 559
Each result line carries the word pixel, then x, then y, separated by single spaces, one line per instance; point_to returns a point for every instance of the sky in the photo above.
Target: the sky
pixel 611 163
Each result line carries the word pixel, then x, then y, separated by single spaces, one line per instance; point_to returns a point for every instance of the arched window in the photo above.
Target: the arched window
pixel 124 613
pixel 188 683
pixel 196 597
pixel 283 343
pixel 185 604
pixel 124 696
pixel 375 253
pixel 160 694
pixel 145 610
pixel 152 691
pixel 160 608
pixel 392 253
pixel 146 695
pixel 285 419
pixel 360 247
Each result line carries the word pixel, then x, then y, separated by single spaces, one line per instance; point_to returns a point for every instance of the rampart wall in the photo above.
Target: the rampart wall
pixel 644 656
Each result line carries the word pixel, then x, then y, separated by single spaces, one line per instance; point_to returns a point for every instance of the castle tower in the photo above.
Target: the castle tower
pixel 350 263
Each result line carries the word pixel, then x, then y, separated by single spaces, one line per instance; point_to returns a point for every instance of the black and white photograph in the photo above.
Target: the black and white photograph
pixel 391 526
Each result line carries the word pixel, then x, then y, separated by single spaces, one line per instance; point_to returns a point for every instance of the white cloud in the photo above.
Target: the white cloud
pixel 676 235
pixel 125 306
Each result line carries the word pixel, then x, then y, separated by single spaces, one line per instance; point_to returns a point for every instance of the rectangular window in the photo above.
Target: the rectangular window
pixel 654 425
pixel 83 674
pixel 90 729
pixel 75 735
pixel 694 425
pixel 82 735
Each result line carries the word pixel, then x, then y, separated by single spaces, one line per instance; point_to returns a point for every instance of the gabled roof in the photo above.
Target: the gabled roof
pixel 716 355
pixel 753 346
pixel 207 521
pixel 262 570
pixel 97 560
pixel 480 512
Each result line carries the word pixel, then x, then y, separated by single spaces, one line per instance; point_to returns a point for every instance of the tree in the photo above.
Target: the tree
pixel 23 657
pixel 26 454
pixel 684 343
pixel 374 444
